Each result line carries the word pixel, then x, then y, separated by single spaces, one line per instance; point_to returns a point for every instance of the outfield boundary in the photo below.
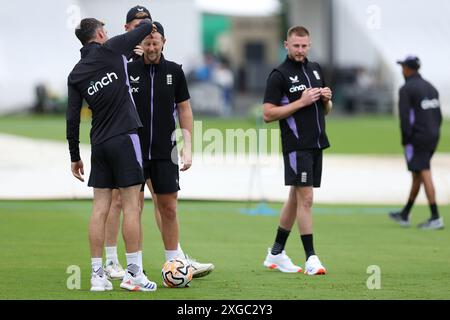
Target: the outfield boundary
pixel 40 169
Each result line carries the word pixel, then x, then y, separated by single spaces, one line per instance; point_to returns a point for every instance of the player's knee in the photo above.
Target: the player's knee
pixel 168 211
pixel 99 215
pixel 307 202
pixel 116 204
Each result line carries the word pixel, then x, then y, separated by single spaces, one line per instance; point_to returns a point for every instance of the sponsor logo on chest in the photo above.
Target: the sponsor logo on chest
pixel 134 80
pixel 296 86
pixel 169 79
pixel 294 79
pixel 294 89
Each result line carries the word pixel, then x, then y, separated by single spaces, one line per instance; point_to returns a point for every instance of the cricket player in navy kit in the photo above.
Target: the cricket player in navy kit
pixel 101 78
pixel 112 267
pixel 297 96
pixel 420 122
pixel 170 231
pixel 161 95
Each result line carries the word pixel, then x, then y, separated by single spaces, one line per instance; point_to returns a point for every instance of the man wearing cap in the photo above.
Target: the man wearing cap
pixel 420 121
pixel 134 17
pixel 170 229
pixel 101 78
pixel 160 91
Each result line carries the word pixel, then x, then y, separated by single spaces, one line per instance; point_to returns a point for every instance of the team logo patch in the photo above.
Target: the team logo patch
pixel 134 80
pixel 169 79
pixel 304 177
pixel 316 74
pixel 294 79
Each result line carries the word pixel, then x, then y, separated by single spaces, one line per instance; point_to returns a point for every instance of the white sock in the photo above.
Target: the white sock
pixel 111 255
pixel 180 251
pixel 97 267
pixel 140 260
pixel 132 263
pixel 171 254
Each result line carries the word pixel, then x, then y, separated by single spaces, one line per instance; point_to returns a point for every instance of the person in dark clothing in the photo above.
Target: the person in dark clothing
pixel 297 96
pixel 420 122
pixel 112 267
pixel 101 78
pixel 161 94
pixel 134 17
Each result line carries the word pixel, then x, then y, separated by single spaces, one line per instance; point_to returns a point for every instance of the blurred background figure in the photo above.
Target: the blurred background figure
pixel 224 78
pixel 420 122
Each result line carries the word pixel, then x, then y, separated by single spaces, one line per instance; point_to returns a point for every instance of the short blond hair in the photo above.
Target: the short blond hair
pixel 299 31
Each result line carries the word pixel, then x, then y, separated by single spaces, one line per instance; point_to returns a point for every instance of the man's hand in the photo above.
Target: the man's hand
pixel 186 159
pixel 138 50
pixel 77 170
pixel 326 94
pixel 309 96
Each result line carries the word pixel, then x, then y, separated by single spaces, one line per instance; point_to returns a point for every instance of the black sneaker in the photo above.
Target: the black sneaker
pixel 397 217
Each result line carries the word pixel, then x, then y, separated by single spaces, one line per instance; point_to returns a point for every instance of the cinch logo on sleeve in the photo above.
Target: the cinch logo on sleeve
pixel 430 104
pixel 301 87
pixel 98 85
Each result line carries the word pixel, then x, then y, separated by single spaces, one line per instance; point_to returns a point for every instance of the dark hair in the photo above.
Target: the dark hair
pixel 298 31
pixel 85 31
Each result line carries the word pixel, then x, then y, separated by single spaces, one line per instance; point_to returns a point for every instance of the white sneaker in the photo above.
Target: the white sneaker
pixel 199 269
pixel 100 283
pixel 114 271
pixel 432 224
pixel 280 262
pixel 139 283
pixel 314 267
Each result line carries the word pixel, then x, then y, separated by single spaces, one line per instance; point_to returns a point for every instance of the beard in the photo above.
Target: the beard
pixel 297 58
pixel 152 57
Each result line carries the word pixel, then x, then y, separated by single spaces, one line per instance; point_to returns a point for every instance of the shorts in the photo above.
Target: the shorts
pixel 164 175
pixel 117 163
pixel 303 168
pixel 417 159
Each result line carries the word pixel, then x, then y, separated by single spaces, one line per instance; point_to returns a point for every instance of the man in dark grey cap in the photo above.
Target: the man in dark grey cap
pixel 134 17
pixel 113 268
pixel 420 121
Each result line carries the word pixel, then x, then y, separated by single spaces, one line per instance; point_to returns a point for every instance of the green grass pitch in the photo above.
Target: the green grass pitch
pixel 41 239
